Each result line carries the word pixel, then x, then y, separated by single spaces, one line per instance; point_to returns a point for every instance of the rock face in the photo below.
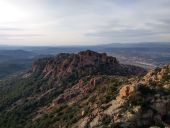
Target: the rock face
pixel 82 64
pixel 77 91
pixel 127 91
pixel 159 74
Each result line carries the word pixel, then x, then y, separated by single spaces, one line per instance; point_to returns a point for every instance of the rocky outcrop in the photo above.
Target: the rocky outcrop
pixel 82 64
pixel 138 103
pixel 159 74
pixel 77 91
pixel 127 90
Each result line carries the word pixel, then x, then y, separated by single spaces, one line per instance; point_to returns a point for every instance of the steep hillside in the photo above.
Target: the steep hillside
pixel 142 102
pixel 87 89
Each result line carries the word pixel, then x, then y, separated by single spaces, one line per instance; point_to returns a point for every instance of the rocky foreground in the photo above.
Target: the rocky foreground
pixel 143 102
pixel 86 90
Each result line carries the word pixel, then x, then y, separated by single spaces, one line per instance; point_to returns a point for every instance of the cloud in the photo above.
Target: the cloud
pixel 87 21
pixel 9 29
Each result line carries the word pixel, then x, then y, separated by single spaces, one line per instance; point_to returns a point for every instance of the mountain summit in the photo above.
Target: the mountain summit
pixel 82 64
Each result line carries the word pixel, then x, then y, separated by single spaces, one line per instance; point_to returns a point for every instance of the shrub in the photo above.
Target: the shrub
pixel 105 119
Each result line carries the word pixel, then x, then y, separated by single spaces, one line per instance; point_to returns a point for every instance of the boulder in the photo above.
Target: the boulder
pixel 127 91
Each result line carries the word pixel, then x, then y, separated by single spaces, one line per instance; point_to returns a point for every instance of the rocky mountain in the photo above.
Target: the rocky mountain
pixel 85 90
pixel 82 64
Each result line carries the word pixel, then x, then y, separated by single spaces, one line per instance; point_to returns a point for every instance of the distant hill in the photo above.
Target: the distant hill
pixel 9 54
pixel 138 45
pixel 14 61
pixel 13 67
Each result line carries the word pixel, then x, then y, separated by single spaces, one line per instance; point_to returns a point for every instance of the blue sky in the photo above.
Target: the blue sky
pixel 83 22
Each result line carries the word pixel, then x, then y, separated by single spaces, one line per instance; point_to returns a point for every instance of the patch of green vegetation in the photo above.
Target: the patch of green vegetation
pixel 15 108
pixel 145 90
pixel 64 116
pixel 109 91
pixel 12 67
pixel 105 119
pixel 20 99
pixel 118 125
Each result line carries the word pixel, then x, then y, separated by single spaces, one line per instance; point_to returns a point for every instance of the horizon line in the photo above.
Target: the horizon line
pixel 75 45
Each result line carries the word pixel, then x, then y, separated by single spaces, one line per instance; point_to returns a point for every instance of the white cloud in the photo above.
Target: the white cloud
pixel 63 22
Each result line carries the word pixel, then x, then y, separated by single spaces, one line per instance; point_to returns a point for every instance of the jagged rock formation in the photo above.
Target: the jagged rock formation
pixel 82 64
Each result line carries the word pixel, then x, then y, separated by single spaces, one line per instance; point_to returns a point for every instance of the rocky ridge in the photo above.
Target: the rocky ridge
pixel 82 64
pixel 141 103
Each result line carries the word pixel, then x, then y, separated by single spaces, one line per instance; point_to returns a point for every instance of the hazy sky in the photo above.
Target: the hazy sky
pixel 67 22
